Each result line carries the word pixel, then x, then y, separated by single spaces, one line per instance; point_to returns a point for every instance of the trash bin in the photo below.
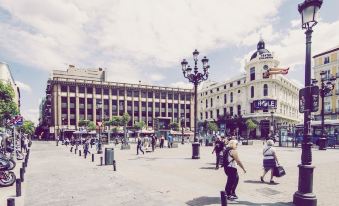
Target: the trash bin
pixel 109 156
pixel 195 150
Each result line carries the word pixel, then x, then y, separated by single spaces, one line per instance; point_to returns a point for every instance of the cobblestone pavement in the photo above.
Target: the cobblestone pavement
pixel 167 177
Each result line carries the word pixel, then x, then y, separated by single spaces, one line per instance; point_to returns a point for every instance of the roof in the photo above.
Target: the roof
pixel 327 52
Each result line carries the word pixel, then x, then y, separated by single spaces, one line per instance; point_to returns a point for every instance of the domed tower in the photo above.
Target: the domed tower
pixel 261 60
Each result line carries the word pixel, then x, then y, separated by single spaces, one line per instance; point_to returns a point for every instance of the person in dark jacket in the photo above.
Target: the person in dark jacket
pixel 154 141
pixel 218 147
pixel 139 145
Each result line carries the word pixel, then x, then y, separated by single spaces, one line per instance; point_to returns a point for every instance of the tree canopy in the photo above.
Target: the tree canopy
pixel 8 107
pixel 28 127
pixel 174 126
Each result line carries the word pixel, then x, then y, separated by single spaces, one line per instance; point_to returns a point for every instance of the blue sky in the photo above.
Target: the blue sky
pixel 146 39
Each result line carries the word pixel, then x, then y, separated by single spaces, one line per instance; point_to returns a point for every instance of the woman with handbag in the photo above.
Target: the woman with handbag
pixel 270 160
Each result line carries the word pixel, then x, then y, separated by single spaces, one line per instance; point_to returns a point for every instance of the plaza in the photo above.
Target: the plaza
pixel 55 176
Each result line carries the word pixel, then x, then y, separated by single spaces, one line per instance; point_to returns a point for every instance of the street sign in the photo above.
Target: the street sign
pixel 264 104
pixel 99 124
pixel 315 99
pixel 17 120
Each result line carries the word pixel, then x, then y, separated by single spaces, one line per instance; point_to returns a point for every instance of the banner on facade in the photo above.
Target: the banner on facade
pixel 264 104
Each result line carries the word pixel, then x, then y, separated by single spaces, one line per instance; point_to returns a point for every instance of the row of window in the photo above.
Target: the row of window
pixel 211 115
pixel 218 89
pixel 129 93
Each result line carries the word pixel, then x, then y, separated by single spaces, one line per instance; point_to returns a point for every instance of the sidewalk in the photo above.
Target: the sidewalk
pixel 167 177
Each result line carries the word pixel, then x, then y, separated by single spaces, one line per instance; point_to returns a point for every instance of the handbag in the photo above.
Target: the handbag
pixel 279 171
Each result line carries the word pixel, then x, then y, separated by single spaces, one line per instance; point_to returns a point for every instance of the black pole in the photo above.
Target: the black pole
pixel 22 174
pixel 92 157
pixel 10 202
pixel 195 111
pixel 304 195
pixel 18 187
pixel 322 139
pixel 223 198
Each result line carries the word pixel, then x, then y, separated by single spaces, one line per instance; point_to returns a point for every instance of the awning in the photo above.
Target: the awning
pixel 186 133
pixel 146 131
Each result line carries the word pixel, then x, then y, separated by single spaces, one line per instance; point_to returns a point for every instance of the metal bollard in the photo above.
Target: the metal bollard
pixel 80 153
pixel 92 157
pixel 223 198
pixel 18 187
pixel 75 151
pixel 114 166
pixel 22 174
pixel 10 202
pixel 71 150
pixel 101 160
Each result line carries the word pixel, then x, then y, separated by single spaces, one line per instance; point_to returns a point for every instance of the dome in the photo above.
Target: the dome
pixel 260 49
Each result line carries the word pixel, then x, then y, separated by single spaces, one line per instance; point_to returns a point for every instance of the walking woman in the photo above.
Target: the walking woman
pixel 231 160
pixel 270 160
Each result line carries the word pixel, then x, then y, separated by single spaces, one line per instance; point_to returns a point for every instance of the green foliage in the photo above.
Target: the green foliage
pixel 174 126
pixel 250 124
pixel 212 126
pixel 125 119
pixel 140 125
pixel 116 121
pixel 8 107
pixel 28 127
pixel 88 124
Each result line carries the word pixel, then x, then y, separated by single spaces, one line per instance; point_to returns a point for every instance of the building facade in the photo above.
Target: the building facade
pixel 328 61
pixel 251 95
pixel 6 77
pixel 70 99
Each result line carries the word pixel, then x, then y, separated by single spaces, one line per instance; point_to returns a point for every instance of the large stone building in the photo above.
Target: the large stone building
pixel 253 96
pixel 84 94
pixel 6 77
pixel 328 61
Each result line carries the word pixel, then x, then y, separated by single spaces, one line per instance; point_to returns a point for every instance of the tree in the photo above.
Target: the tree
pixel 212 126
pixel 8 107
pixel 250 125
pixel 140 125
pixel 174 126
pixel 88 124
pixel 28 127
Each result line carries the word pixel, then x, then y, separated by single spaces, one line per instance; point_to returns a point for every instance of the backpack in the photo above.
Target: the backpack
pixel 226 154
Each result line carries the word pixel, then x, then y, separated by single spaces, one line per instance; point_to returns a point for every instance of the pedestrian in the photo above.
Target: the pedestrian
pixel 218 147
pixel 230 162
pixel 270 160
pixel 169 141
pixel 200 141
pixel 57 138
pixel 26 141
pixel 139 146
pixel 162 141
pixel 153 142
pixel 86 147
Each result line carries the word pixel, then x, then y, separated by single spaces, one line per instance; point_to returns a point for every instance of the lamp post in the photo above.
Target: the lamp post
pixel 272 125
pixel 304 196
pixel 62 127
pixel 182 128
pixel 196 78
pixel 326 88
pixel 99 105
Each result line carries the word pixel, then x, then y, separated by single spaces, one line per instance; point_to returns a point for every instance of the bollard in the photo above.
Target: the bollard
pixel 101 161
pixel 10 202
pixel 223 198
pixel 80 153
pixel 71 149
pixel 92 157
pixel 75 151
pixel 22 174
pixel 114 166
pixel 18 187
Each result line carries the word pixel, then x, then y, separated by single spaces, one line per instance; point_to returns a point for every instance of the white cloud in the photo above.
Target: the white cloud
pixel 48 34
pixel 23 87
pixel 182 85
pixel 31 114
pixel 157 77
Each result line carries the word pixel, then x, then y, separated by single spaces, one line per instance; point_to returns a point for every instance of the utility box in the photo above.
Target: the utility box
pixel 109 156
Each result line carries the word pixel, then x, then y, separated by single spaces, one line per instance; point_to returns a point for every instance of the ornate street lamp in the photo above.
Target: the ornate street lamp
pixel 304 196
pixel 196 78
pixel 327 85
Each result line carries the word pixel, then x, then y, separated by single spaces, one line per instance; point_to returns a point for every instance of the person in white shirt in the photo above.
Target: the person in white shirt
pixel 270 160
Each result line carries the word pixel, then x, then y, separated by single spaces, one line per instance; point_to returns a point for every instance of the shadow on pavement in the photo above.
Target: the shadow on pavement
pixel 258 204
pixel 259 182
pixel 207 168
pixel 201 201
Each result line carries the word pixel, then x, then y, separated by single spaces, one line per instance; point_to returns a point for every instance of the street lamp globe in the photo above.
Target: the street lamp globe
pixel 184 65
pixel 309 12
pixel 195 55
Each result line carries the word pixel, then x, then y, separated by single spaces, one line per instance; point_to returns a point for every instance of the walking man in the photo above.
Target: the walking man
pixel 139 145
pixel 218 147
pixel 57 140
pixel 162 140
pixel 153 142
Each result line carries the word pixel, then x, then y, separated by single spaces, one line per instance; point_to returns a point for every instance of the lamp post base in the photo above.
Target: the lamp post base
pixel 304 196
pixel 322 143
pixel 195 150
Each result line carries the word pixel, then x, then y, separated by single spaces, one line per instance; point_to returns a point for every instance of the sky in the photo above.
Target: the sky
pixel 145 40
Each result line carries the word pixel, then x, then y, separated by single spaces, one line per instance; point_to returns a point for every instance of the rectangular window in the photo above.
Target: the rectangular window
pixel 150 94
pixel 129 93
pixel 218 89
pixel 114 92
pixel 326 60
pixel 252 74
pixel 225 111
pixel 231 84
pixel 163 95
pixel 63 88
pixel 206 113
pixel 211 113
pixel 89 90
pixel 224 86
pixel 217 112
pixel 239 110
pixel 136 93
pixel 170 96
pixel 72 89
pixel 211 102
pixel 121 92
pixel 98 90
pixel 106 91
pixel 231 111
pixel 252 108
pixel 81 90
pixel 238 82
pixel 225 98
pixel 206 103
